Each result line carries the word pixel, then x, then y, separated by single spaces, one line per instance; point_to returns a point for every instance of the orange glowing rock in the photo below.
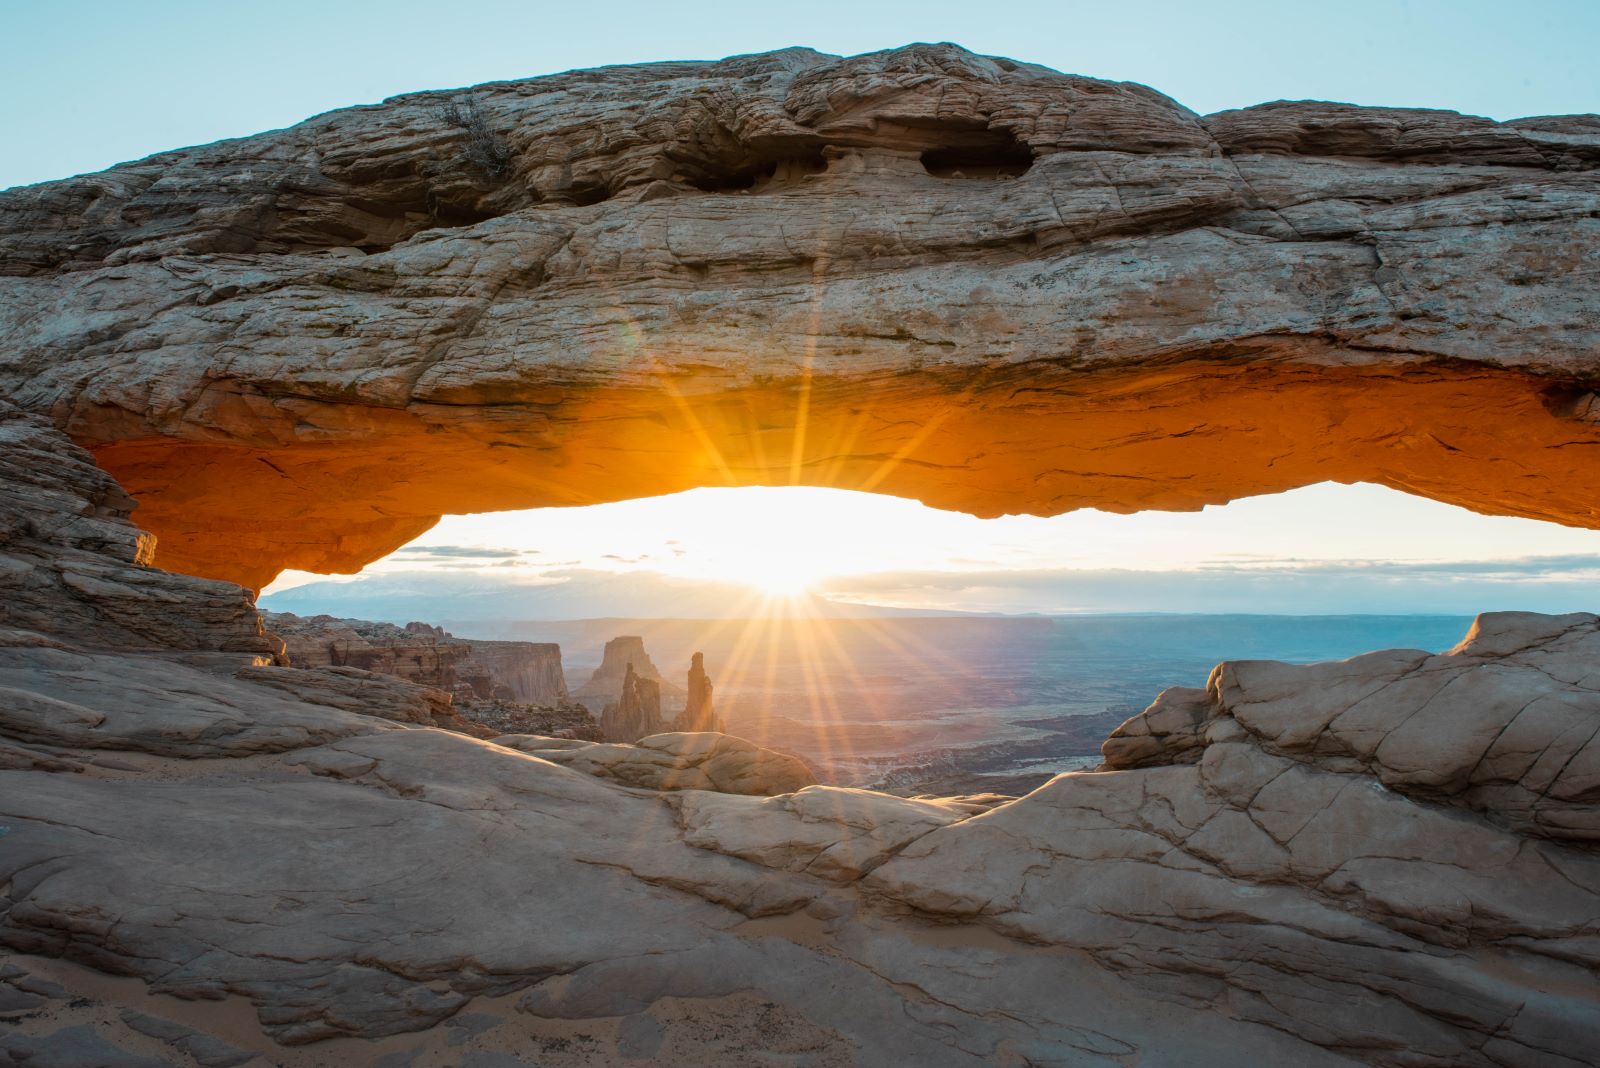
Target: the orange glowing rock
pixel 981 284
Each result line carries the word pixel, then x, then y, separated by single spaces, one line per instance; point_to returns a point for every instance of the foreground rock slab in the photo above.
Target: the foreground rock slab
pixel 1504 723
pixel 416 886
pixel 676 761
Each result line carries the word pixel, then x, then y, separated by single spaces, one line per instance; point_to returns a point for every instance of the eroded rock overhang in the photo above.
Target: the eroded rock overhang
pixel 983 284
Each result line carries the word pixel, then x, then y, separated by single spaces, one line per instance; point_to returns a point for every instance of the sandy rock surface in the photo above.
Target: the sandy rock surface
pixel 981 283
pixel 1297 872
pixel 835 833
pixel 676 761
pixel 1389 860
pixel 1505 723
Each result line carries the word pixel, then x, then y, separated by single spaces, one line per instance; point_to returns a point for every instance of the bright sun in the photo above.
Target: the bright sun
pixel 787 545
pixel 782 582
pixel 779 542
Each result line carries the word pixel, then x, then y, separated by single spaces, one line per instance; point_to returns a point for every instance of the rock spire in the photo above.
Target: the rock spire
pixel 698 714
pixel 637 711
pixel 621 654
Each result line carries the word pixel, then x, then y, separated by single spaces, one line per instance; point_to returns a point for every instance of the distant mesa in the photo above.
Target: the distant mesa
pixel 606 684
pixel 636 713
pixel 526 672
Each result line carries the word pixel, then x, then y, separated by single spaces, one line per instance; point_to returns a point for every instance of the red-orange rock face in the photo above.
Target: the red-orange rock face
pixel 979 283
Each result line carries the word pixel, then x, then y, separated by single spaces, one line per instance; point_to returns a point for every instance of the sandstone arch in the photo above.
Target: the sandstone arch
pixel 296 348
pixel 299 349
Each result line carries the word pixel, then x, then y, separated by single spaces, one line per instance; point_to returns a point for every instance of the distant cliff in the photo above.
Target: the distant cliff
pixel 606 684
pixel 531 671
pixel 525 672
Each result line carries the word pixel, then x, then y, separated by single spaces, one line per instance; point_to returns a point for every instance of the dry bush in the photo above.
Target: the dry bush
pixel 486 149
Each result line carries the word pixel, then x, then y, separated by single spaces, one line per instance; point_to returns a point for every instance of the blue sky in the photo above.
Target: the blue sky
pixel 93 82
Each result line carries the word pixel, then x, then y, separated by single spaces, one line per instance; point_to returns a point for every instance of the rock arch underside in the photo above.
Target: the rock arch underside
pixel 977 282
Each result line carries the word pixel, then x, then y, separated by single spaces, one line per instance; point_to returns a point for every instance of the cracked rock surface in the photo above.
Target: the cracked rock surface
pixel 676 761
pixel 209 859
pixel 1389 860
pixel 984 284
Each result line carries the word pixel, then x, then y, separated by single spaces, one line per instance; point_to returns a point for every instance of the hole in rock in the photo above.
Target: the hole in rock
pixel 758 173
pixel 585 195
pixel 371 224
pixel 979 154
pixel 896 646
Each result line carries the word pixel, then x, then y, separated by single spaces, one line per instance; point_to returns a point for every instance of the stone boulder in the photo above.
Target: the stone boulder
pixel 833 833
pixel 1170 731
pixel 676 761
pixel 1505 723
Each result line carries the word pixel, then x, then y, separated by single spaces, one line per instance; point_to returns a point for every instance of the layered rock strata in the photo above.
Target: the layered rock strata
pixel 622 655
pixel 637 711
pixel 1256 894
pixel 71 564
pixel 975 281
pixel 525 672
pixel 677 761
pixel 980 283
pixel 1504 723
pixel 699 712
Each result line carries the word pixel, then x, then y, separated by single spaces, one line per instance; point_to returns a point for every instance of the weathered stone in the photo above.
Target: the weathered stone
pixel 528 673
pixel 207 1050
pixel 825 831
pixel 1042 291
pixel 637 711
pixel 153 705
pixel 677 761
pixel 621 655
pixel 13 1000
pixel 369 693
pixel 1170 731
pixel 72 1047
pixel 699 713
pixel 1304 901
pixel 1505 723
pixel 71 564
pixel 1009 290
pixel 525 672
pixel 1373 894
